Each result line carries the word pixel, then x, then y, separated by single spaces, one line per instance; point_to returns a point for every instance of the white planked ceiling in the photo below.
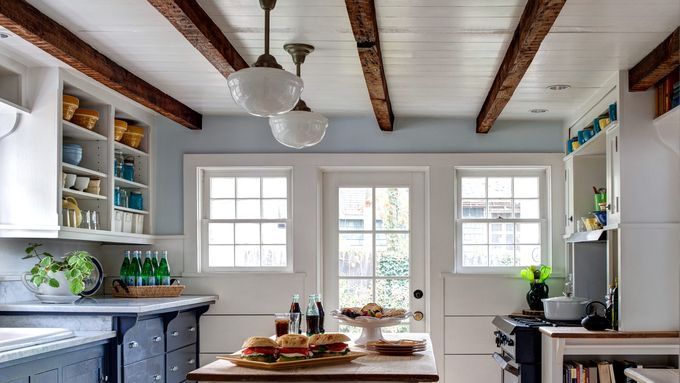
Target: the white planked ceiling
pixel 440 55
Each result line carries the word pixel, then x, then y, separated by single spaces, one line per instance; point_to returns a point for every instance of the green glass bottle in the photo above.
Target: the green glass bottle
pixel 148 274
pixel 164 269
pixel 156 266
pixel 136 269
pixel 125 268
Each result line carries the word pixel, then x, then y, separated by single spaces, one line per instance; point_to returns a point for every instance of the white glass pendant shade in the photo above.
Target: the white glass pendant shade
pixel 299 129
pixel 265 92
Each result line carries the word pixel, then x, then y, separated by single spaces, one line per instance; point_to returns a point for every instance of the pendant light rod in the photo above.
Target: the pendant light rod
pixel 299 52
pixel 266 60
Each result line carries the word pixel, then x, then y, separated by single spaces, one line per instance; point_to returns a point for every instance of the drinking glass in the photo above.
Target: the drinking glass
pixel 282 323
pixel 68 217
pixel 94 220
pixel 295 320
pixel 87 219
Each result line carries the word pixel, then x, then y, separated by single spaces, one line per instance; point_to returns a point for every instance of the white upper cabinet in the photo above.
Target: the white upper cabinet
pixel 37 173
pixel 613 178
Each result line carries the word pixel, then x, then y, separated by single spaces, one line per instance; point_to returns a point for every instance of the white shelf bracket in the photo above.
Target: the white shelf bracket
pixel 8 120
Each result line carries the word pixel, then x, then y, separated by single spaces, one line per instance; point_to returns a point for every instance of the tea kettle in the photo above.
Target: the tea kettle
pixel 593 321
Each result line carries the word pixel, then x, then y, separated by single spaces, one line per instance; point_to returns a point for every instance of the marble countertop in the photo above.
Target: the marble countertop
pixel 109 305
pixel 82 337
pixel 420 367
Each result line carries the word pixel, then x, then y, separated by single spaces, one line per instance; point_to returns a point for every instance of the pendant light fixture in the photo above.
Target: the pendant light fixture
pixel 300 127
pixel 265 89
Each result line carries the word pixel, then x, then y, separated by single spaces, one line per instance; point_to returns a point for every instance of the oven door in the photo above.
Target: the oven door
pixel 509 369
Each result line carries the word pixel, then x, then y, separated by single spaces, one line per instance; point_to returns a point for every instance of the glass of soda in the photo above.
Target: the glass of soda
pixel 295 320
pixel 282 323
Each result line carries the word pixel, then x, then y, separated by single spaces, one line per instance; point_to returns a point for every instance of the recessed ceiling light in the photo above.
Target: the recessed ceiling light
pixel 559 86
pixel 538 110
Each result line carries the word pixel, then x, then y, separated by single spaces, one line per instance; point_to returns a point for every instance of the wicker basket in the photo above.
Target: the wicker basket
pixel 120 290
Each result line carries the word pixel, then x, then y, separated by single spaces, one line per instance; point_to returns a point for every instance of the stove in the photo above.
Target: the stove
pixel 519 340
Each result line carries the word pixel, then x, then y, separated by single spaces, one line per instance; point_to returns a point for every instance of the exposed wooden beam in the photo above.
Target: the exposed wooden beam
pixel 537 19
pixel 191 21
pixel 365 28
pixel 656 65
pixel 27 22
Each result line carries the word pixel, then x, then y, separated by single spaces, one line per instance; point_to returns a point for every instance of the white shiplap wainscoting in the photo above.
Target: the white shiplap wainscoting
pixel 471 302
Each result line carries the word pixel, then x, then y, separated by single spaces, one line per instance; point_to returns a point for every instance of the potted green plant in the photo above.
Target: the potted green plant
pixel 536 275
pixel 57 278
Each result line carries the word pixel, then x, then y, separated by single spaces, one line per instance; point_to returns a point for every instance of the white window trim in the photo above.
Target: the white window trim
pixel 202 205
pixel 545 209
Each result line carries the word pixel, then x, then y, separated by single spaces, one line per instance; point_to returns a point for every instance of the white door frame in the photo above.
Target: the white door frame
pixel 416 182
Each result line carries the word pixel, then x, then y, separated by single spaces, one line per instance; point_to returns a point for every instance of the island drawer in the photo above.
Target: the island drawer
pixel 182 330
pixel 144 340
pixel 179 363
pixel 147 371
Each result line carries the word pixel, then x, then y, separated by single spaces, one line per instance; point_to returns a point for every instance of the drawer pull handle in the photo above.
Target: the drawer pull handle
pixel 191 361
pixel 133 344
pixel 175 333
pixel 192 329
pixel 174 368
pixel 157 377
pixel 157 339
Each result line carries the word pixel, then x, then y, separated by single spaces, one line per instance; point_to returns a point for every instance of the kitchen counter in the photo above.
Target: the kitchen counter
pixel 420 367
pixel 108 305
pixel 81 338
pixel 561 343
pixel 580 332
pixel 653 375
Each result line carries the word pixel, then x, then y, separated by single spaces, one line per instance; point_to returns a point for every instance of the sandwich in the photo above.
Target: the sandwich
pixel 331 344
pixel 293 347
pixel 260 349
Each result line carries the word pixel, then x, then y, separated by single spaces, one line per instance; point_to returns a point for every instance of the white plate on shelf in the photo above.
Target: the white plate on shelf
pixel 57 298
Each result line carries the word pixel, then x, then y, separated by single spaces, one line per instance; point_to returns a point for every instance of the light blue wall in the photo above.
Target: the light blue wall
pixel 345 135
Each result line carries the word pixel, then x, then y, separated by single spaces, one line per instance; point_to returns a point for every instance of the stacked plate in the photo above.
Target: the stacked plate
pixel 401 347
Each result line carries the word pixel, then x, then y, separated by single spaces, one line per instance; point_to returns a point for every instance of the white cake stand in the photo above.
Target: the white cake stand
pixel 371 328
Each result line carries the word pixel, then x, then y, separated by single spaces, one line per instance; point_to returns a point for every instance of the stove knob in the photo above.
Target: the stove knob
pixel 498 338
pixel 510 342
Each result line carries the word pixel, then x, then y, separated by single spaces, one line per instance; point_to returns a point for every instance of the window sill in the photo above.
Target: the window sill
pixel 475 274
pixel 214 274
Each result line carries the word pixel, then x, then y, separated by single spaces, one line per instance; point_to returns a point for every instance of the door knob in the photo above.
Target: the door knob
pixel 418 315
pixel 418 294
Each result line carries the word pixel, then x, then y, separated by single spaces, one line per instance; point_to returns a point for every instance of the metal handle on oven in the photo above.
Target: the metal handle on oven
pixel 503 363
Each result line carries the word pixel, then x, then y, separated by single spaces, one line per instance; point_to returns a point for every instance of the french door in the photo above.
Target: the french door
pixel 374 246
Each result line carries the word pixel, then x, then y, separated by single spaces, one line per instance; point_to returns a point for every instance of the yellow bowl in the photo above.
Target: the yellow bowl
pixel 132 139
pixel 87 118
pixel 135 129
pixel 120 127
pixel 69 106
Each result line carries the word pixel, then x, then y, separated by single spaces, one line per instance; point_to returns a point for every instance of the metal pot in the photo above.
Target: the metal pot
pixel 565 308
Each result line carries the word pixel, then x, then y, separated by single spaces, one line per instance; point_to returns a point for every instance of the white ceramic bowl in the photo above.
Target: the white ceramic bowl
pixel 81 183
pixel 70 180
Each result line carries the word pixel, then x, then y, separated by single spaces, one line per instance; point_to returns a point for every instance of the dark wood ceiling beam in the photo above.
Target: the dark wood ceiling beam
pixel 30 24
pixel 364 23
pixel 656 65
pixel 200 30
pixel 537 19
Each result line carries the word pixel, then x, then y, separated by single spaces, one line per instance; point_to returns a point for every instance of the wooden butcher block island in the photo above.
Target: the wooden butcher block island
pixel 420 367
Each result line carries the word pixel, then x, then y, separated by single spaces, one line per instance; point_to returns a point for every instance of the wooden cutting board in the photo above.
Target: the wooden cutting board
pixel 315 362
